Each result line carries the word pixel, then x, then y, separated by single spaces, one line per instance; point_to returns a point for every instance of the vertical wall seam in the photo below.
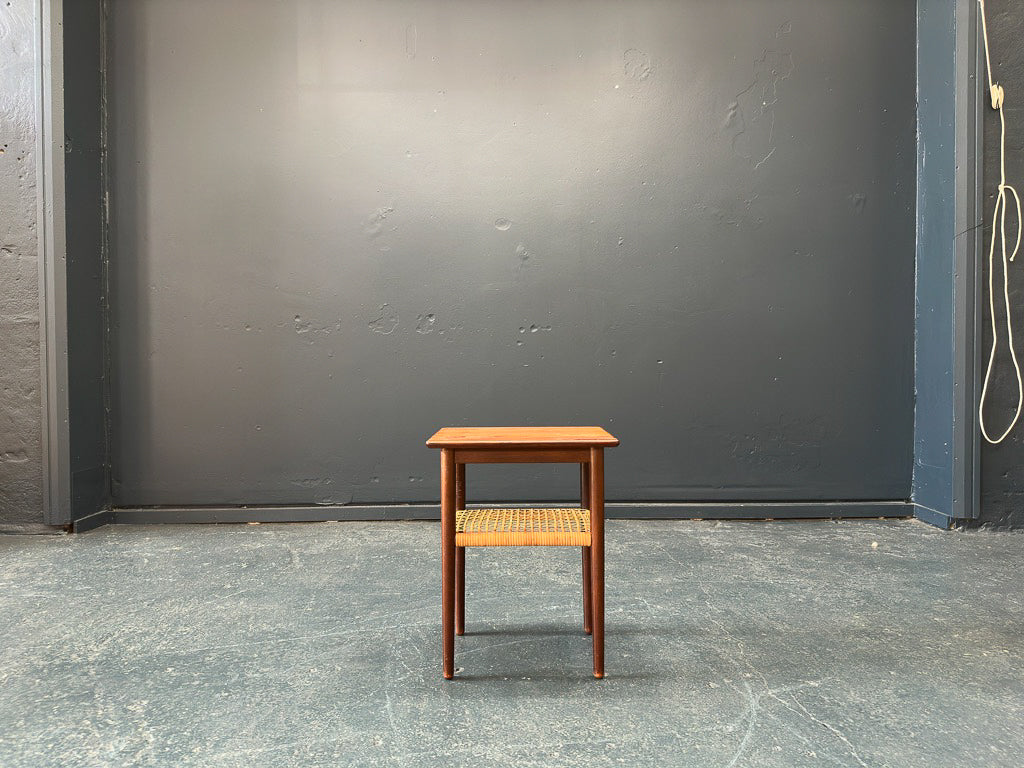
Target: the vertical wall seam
pixel 107 388
pixel 965 252
pixel 44 347
pixel 917 242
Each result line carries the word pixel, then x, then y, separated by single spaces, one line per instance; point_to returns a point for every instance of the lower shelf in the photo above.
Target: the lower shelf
pixel 518 527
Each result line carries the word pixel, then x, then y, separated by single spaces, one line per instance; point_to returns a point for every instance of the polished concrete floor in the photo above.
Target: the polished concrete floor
pixel 729 644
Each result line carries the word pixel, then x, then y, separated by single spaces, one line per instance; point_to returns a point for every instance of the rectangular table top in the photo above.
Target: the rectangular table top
pixel 521 437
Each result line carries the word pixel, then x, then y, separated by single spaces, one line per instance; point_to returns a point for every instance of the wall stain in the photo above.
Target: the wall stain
pixel 727 211
pixel 792 444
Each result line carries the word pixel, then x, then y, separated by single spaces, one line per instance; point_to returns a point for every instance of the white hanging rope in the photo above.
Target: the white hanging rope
pixel 997 95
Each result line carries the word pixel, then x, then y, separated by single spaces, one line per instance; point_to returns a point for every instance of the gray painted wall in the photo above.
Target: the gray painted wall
pixel 1002 466
pixel 21 457
pixel 338 226
pixel 86 271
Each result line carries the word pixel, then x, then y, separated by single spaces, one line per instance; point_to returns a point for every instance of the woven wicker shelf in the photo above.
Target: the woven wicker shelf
pixel 518 527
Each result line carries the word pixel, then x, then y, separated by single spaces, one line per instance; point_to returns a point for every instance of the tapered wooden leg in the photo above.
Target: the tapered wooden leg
pixel 460 555
pixel 585 503
pixel 460 590
pixel 588 621
pixel 448 562
pixel 597 555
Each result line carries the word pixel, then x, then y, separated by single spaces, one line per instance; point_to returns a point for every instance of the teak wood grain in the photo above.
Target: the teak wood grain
pixel 522 437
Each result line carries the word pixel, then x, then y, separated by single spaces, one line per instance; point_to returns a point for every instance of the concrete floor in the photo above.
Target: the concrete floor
pixel 729 644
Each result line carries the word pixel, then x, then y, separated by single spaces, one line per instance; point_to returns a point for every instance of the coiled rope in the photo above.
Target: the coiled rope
pixel 998 95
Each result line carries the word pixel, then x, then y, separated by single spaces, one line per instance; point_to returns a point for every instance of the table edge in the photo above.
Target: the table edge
pixel 509 444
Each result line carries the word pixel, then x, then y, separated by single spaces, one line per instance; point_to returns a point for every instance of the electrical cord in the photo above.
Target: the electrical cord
pixel 997 96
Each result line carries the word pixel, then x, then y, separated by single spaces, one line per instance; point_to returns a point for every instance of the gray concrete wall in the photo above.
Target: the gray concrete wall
pixel 1002 466
pixel 340 225
pixel 21 457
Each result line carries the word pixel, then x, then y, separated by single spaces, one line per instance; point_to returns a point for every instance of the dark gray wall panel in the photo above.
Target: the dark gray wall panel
pixel 340 225
pixel 1002 466
pixel 83 164
pixel 21 450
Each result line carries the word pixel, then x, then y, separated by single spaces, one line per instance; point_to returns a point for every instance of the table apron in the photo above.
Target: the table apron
pixel 522 455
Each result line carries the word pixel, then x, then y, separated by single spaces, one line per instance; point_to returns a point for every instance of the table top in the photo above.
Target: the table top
pixel 521 437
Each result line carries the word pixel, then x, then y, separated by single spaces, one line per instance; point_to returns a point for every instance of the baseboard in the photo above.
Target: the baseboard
pixel 30 529
pixel 616 510
pixel 93 521
pixel 758 510
pixel 272 514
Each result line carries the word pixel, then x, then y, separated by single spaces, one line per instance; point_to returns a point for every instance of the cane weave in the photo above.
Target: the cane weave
pixel 518 527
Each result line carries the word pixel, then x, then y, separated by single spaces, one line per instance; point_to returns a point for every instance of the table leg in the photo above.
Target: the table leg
pixel 460 555
pixel 597 555
pixel 585 503
pixel 448 562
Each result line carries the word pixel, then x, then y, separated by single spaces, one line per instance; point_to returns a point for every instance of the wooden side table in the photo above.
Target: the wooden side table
pixel 461 528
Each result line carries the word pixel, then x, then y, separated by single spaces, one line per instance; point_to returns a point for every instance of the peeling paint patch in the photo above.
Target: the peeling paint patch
pixel 502 224
pixel 411 36
pixel 859 201
pixel 375 222
pixel 312 482
pixel 304 327
pixel 750 118
pixel 425 323
pixel 637 65
pixel 386 321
